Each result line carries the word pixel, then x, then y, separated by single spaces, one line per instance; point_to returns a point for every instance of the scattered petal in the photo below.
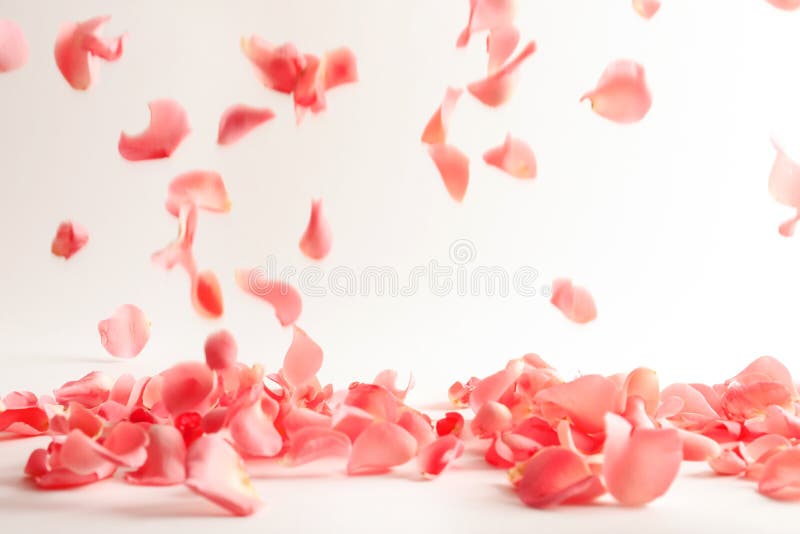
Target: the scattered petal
pixel 278 67
pixel 312 443
pixel 381 446
pixel 622 94
pixel 166 458
pixel 220 350
pixel 500 44
pixel 126 332
pixel 77 47
pixel 187 387
pixel 169 125
pixel 575 302
pixel 13 46
pixel 780 478
pixel 317 239
pixel 70 238
pixel 436 130
pixel 239 120
pixel 556 475
pixel 487 15
pixel 340 67
pixel 280 295
pixel 453 166
pixel 437 455
pixel 647 8
pixel 498 87
pixel 514 157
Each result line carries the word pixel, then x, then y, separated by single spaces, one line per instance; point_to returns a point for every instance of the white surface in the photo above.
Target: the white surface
pixel 668 222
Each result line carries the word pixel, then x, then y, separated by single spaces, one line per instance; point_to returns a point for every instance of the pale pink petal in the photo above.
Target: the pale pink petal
pixel 316 240
pixel 125 446
pixel 340 67
pixel 585 401
pixel 207 295
pixel 299 418
pixel 388 379
pixel 743 401
pixel 166 458
pixel 498 87
pixel 351 421
pixel 303 359
pixel 514 157
pixel 766 369
pixel 312 443
pixel 491 418
pixel 575 302
pixel 487 15
pixel 204 189
pixel 500 44
pixel 728 462
pixel 453 166
pixel 436 130
pixel 643 383
pixel 693 400
pixel 434 457
pixel 373 399
pixel 381 446
pixel 697 447
pixel 77 46
pixel 621 94
pixel 216 472
pixel 556 475
pixel 169 125
pixel 83 419
pixel 786 5
pixel 70 238
pixel 493 386
pixel 91 390
pixel 278 67
pixel 780 478
pixel 418 425
pixel 126 332
pixel 254 433
pixel 758 449
pixel 220 350
pixel 779 421
pixel 179 251
pixel 639 466
pixel 187 387
pixel 646 8
pixel 280 295
pixel 13 46
pixel 239 120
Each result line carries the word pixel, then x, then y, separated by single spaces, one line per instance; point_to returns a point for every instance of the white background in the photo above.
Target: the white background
pixel 668 222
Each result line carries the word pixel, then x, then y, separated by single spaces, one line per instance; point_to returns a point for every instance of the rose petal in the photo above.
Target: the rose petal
pixel 253 433
pixel 500 44
pixel 205 189
pixel 646 8
pixel 216 472
pixel 486 15
pixel 728 462
pixel 373 399
pixel 555 476
pixel 278 67
pixel 316 240
pixel 280 295
pixel 437 455
pixel 187 387
pixel 340 67
pixel 13 46
pixel 781 475
pixel 207 295
pixel 70 238
pixel 312 443
pixel 497 88
pixel 381 446
pixel 169 125
pixel 436 130
pixel 125 446
pixel 418 425
pixel 239 120
pixel 493 386
pixel 491 418
pixel 621 94
pixel 220 350
pixel 126 332
pixel 585 401
pixel 77 46
pixel 643 383
pixel 453 166
pixel 786 5
pixel 514 157
pixel 303 359
pixel 388 379
pixel 24 421
pixel 90 390
pixel 166 459
pixel 639 466
pixel 451 423
pixel 575 302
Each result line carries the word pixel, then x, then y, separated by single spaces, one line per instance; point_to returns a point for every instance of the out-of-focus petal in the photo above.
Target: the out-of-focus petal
pixel 575 302
pixel 388 379
pixel 492 417
pixel 169 125
pixel 238 120
pixel 418 425
pixel 556 475
pixel 646 8
pixel 436 130
pixel 216 472
pixel 207 295
pixel 780 478
pixel 643 383
pixel 317 239
pixel 497 88
pixel 13 46
pixel 451 423
pixel 166 458
pixel 381 446
pixel 784 186
pixel 280 295
pixel 340 67
pixel 500 44
pixel 221 350
pixel 487 15
pixel 453 166
pixel 697 447
pixel 179 251
pixel 126 332
pixel 303 359
pixel 70 238
pixel 125 446
pixel 622 94
pixel 514 157
pixel 585 401
pixel 254 433
pixel 24 421
pixel 728 462
pixel 278 67
pixel 78 45
pixel 91 390
pixel 312 443
pixel 187 387
pixel 437 455
pixel 204 189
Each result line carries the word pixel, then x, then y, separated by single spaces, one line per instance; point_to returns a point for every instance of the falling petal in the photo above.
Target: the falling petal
pixel 169 125
pixel 453 167
pixel 221 350
pixel 239 120
pixel 622 94
pixel 70 238
pixel 316 240
pixel 77 47
pixel 179 251
pixel 647 8
pixel 204 189
pixel 498 87
pixel 487 15
pixel 126 332
pixel 575 302
pixel 207 295
pixel 303 359
pixel 280 295
pixel 13 46
pixel 436 129
pixel 514 157
pixel 340 67
pixel 786 5
pixel 500 44
pixel 278 67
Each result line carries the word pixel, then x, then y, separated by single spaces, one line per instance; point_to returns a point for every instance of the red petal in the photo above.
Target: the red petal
pixel 166 458
pixel 514 156
pixel 437 455
pixel 216 472
pixel 280 295
pixel 169 125
pixel 70 238
pixel 254 433
pixel 277 67
pixel 487 15
pixel 303 359
pixel 500 44
pixel 77 45
pixel 575 302
pixel 90 390
pixel 585 401
pixel 491 418
pixel 647 8
pixel 13 46
pixel 221 350
pixel 239 120
pixel 556 475
pixel 207 295
pixel 621 94
pixel 312 443
pixel 453 166
pixel 187 387
pixel 179 252
pixel 316 241
pixel 786 5
pixel 340 67
pixel 639 466
pixel 126 332
pixel 25 421
pixel 205 189
pixel 380 446
pixel 436 129
pixel 451 423
pixel 498 87
pixel 781 476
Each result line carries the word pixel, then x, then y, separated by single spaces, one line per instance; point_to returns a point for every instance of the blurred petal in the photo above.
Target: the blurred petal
pixel 781 476
pixel 77 46
pixel 239 120
pixel 646 8
pixel 316 241
pixel 786 5
pixel 622 94
pixel 169 125
pixel 126 332
pixel 13 46
pixel 436 129
pixel 437 455
pixel 555 476
pixel 487 15
pixel 280 295
pixel 379 447
pixel 166 458
pixel 340 67
pixel 500 44
pixel 70 238
pixel 453 167
pixel 278 67
pixel 498 87
pixel 207 295
pixel 179 251
pixel 221 350
pixel 312 443
pixel 187 387
pixel 204 189
pixel 514 157
pixel 575 302
pixel 303 359
pixel 254 433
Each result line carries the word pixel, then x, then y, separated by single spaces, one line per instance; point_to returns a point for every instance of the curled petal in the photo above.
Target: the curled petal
pixel 451 423
pixel 90 391
pixel 453 166
pixel 514 157
pixel 418 425
pixel 646 8
pixel 166 458
pixel 493 386
pixel 179 252
pixel 169 125
pixel 556 475
pixel 207 295
pixel 498 87
pixel 381 446
pixel 500 44
pixel 621 94
pixel 436 130
pixel 70 238
pixel 187 387
pixel 487 15
pixel 126 332
pixel 312 443
pixel 728 462
pixel 766 369
pixel 125 446
pixel 77 46
pixel 388 379
pixel 278 67
pixel 437 455
pixel 221 350
pixel 643 383
pixel 492 417
pixel 13 46
pixel 215 471
pixel 204 189
pixel 316 240
pixel 239 120
pixel 639 466
pixel 585 401
pixel 28 421
pixel 254 433
pixel 340 67
pixel 780 478
pixel 786 5
pixel 303 359
pixel 280 295
pixel 575 302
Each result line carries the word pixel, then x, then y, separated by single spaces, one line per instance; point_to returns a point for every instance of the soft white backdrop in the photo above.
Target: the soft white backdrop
pixel 668 222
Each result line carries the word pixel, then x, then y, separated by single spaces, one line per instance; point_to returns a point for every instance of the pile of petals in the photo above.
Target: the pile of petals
pixel 199 423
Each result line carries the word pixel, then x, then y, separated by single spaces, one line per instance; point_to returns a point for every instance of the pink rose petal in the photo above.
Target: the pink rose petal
pixel 90 390
pixel 381 446
pixel 418 425
pixel 303 359
pixel 500 44
pixel 313 443
pixel 340 67
pixel 437 455
pixel 169 125
pixel 388 379
pixel 187 387
pixel 13 46
pixel 70 238
pixel 585 401
pixel 498 87
pixel 487 15
pixel 646 8
pixel 77 47
pixel 575 302
pixel 280 295
pixel 514 157
pixel 622 94
pixel 453 166
pixel 239 120
pixel 436 130
pixel 253 432
pixel 125 446
pixel 278 67
pixel 179 251
pixel 204 189
pixel 207 295
pixel 784 186
pixel 317 239
pixel 556 475
pixel 25 421
pixel 166 459
pixel 492 417
pixel 126 332
pixel 221 350
pixel 780 478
